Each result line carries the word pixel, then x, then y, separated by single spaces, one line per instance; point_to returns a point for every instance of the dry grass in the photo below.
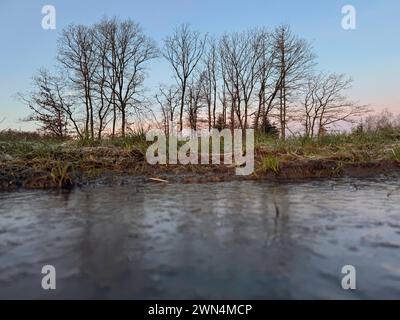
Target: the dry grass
pixel 32 160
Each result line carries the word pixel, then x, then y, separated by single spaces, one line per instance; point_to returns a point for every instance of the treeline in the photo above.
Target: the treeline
pixel 385 121
pixel 257 79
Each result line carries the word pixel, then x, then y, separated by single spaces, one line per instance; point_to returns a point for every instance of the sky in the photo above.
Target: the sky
pixel 370 54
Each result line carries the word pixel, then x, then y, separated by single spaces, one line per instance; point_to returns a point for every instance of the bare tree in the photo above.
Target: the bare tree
pixel 222 96
pixel 51 105
pixel 269 81
pixel 105 76
pixel 168 100
pixel 240 56
pixel 325 103
pixel 77 53
pixel 132 50
pixel 229 95
pixel 295 60
pixel 106 31
pixel 209 84
pixel 195 97
pixel 183 50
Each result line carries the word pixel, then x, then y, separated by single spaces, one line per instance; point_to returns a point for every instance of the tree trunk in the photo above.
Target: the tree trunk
pixel 123 116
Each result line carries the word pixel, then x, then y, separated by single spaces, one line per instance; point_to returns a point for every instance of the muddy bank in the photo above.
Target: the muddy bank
pixel 41 174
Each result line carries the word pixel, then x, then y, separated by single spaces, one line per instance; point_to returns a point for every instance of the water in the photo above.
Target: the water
pixel 220 240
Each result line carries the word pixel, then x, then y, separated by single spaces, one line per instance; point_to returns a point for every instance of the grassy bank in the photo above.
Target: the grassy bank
pixel 34 161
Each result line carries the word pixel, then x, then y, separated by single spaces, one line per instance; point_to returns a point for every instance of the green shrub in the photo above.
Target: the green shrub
pixel 269 163
pixel 395 154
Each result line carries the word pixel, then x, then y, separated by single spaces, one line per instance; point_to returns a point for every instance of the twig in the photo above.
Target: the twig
pixel 158 180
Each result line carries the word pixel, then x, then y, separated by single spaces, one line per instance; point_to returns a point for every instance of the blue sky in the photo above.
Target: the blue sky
pixel 370 54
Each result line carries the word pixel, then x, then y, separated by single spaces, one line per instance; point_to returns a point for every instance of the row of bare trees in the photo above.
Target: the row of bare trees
pixel 250 79
pixel 100 82
pixel 379 122
pixel 240 80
